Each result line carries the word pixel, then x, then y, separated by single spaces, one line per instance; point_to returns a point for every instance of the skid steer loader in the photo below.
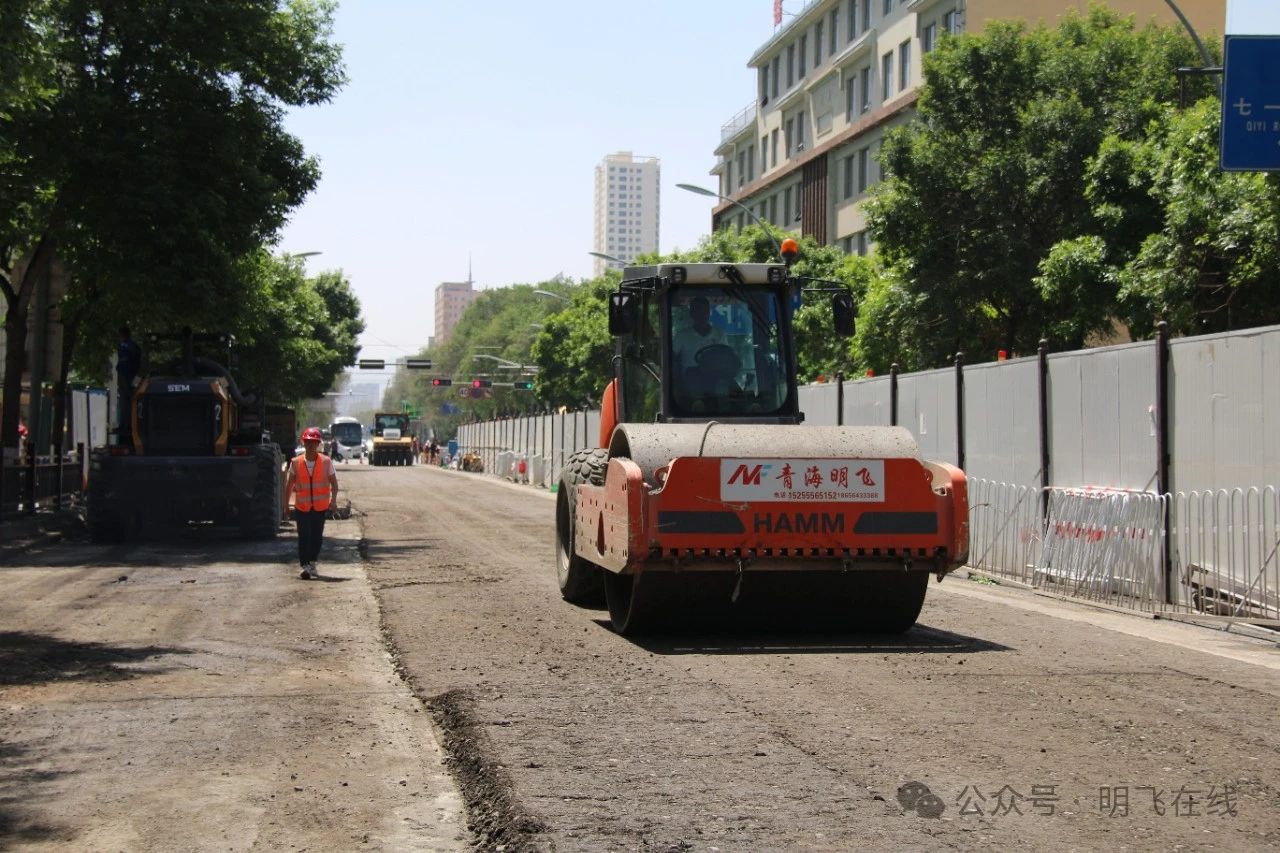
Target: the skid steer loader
pixel 199 452
pixel 708 496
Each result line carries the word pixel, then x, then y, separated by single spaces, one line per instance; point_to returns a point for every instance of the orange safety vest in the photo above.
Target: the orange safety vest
pixel 313 491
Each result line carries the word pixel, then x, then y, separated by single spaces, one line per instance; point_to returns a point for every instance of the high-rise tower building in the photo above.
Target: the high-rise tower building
pixel 626 207
pixel 452 299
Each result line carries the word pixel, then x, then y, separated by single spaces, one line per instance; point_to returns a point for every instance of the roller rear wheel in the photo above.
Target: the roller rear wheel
pixel 888 602
pixel 640 603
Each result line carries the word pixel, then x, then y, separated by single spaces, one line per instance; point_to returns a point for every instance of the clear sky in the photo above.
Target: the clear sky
pixel 473 129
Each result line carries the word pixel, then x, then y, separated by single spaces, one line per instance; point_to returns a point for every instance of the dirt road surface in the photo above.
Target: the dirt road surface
pixel 195 695
pixel 1034 725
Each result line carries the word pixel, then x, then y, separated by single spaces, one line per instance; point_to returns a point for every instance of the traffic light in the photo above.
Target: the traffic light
pixel 441 383
pixel 523 385
pixel 418 363
pixel 372 364
pixel 481 383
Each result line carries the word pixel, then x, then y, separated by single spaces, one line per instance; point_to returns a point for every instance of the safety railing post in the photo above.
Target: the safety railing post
pixel 960 410
pixel 893 394
pixel 1042 390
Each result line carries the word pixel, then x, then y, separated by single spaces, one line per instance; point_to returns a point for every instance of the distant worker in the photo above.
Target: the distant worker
pixel 433 452
pixel 128 363
pixel 313 478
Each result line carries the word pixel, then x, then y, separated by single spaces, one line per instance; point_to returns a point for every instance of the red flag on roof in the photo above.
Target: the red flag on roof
pixel 777 12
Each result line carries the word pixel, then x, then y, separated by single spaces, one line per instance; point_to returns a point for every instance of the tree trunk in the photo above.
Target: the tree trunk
pixel 18 304
pixel 69 332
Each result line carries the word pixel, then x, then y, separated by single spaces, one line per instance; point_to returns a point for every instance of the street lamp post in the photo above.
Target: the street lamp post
pixel 610 258
pixel 696 190
pixel 559 296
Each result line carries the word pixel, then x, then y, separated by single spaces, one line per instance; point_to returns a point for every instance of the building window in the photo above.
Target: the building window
pixel 888 7
pixel 853 19
pixel 886 76
pixel 848 163
pixel 951 23
pixel 866 15
pixel 904 65
pixel 799 201
pixel 929 38
pixel 773 144
pixel 860 242
pixel 800 131
pixel 864 88
pixel 835 31
pixel 803 52
pixel 817 44
pixel 791 66
pixel 864 169
pixel 786 202
pixel 764 153
pixel 773 75
pixel 850 99
pixel 764 84
pixel 789 134
pixel 751 162
pixel 773 208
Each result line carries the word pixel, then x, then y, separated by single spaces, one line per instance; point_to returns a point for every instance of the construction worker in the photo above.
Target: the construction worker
pixel 312 477
pixel 128 363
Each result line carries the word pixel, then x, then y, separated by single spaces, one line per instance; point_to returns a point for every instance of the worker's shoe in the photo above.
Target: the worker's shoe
pixel 308 571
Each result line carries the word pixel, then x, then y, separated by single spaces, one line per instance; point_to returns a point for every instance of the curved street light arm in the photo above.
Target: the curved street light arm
pixel 1204 54
pixel 697 190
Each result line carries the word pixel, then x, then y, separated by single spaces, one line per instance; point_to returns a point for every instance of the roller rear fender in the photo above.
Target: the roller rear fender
pixel 952 488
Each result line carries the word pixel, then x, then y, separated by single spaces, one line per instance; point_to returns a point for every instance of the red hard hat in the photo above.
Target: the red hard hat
pixel 312 434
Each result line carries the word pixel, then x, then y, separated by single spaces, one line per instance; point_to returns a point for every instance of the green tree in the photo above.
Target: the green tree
pixel 499 326
pixel 154 157
pixel 1210 260
pixel 574 351
pixel 294 335
pixel 990 178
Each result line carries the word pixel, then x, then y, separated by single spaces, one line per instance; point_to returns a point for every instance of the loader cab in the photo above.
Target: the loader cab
pixel 701 342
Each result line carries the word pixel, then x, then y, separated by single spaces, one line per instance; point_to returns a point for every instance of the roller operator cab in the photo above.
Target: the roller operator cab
pixel 709 497
pixel 199 452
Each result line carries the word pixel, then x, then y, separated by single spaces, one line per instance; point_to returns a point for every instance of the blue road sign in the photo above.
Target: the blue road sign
pixel 1250 139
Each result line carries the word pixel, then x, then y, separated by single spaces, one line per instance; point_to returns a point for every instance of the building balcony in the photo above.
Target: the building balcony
pixel 740 122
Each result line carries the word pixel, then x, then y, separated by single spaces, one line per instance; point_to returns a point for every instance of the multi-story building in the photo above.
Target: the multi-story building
pixel 626 207
pixel 834 79
pixel 452 299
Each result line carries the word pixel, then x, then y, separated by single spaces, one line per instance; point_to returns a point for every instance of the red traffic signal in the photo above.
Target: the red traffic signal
pixel 481 383
pixel 441 383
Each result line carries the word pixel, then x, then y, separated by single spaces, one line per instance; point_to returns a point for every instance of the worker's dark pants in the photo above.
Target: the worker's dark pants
pixel 124 411
pixel 310 534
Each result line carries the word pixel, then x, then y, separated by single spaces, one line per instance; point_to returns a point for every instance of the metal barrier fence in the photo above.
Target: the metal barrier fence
pixel 1225 552
pixel 58 484
pixel 1104 545
pixel 1006 525
pixel 1108 546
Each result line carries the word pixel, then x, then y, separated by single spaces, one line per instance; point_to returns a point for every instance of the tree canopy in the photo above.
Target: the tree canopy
pixel 144 143
pixel 992 176
pixel 294 335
